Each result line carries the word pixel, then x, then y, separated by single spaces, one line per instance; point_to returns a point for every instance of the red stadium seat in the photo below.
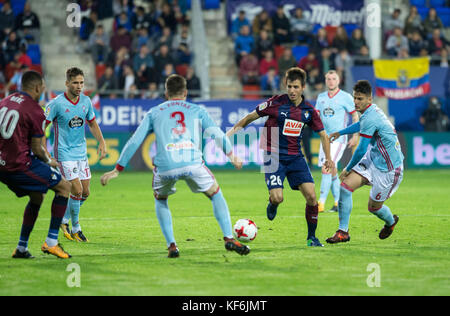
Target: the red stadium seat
pixel 99 70
pixel 181 69
pixel 331 33
pixel 279 49
pixel 248 89
pixel 37 68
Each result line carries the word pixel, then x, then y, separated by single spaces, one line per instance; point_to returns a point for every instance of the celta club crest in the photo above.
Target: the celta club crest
pixel 403 80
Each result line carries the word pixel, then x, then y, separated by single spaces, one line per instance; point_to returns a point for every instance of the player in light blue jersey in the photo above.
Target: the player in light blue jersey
pixel 334 106
pixel 179 127
pixel 70 113
pixel 377 161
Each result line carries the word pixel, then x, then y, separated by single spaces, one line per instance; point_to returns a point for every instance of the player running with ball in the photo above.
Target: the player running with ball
pixel 377 161
pixel 177 125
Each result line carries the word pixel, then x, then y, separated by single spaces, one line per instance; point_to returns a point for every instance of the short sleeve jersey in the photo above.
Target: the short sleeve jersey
pixel 69 121
pixel 283 129
pixel 21 119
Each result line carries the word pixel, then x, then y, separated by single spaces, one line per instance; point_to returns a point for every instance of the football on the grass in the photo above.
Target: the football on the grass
pixel 245 230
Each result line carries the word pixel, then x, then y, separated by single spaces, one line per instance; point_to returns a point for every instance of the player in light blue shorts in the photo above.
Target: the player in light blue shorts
pixel 377 161
pixel 70 112
pixel 334 106
pixel 180 127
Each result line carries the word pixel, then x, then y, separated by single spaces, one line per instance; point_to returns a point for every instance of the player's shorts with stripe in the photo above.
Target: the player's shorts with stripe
pixel 38 178
pixel 198 177
pixel 384 183
pixel 336 150
pixel 75 169
pixel 295 168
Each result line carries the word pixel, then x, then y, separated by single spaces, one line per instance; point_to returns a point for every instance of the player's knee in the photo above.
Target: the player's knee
pixel 63 188
pixel 276 199
pixel 311 199
pixel 86 193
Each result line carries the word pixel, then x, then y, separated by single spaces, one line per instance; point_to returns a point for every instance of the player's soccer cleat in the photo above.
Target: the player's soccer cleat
pixel 57 251
pixel 234 245
pixel 321 207
pixel 334 208
pixel 271 211
pixel 66 231
pixel 313 242
pixel 17 254
pixel 387 230
pixel 174 252
pixel 339 236
pixel 79 237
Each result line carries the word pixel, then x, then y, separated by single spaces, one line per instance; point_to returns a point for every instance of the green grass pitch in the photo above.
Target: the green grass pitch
pixel 127 254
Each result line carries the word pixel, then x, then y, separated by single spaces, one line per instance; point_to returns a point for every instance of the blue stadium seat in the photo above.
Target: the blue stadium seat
pixel 418 3
pixel 17 6
pixel 423 12
pixel 349 28
pixel 211 4
pixel 299 52
pixel 444 14
pixel 34 52
pixel 437 3
pixel 316 28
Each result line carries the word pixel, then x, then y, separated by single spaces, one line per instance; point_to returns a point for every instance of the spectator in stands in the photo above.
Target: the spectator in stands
pixel 340 40
pixel 286 61
pixel 326 60
pixel 267 62
pixel 168 70
pixel 249 69
pixel 444 59
pixel 27 23
pixel 431 22
pixel 437 43
pixel 123 20
pixel 182 55
pixel 166 38
pixel 238 23
pixel 183 37
pixel 16 80
pixel 393 21
pixel 192 83
pixel 108 81
pixel 141 19
pixel 281 27
pixel 270 83
pixel 88 25
pixel 433 118
pixel 143 60
pixel 363 58
pixel 120 6
pixel 121 39
pixel 244 43
pixel 152 92
pixel 413 21
pixel 416 44
pixel 141 39
pixel 161 58
pixel 301 27
pixel 120 59
pixel 309 62
pixel 11 45
pixel 133 92
pixel 99 44
pixel 396 42
pixel 263 43
pixel 319 41
pixel 344 64
pixel 7 20
pixel 356 42
pixel 128 79
pixel 262 21
pixel 167 18
pixel 315 83
pixel 24 59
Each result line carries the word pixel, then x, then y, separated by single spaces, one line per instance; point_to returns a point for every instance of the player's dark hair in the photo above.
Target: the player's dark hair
pixel 295 73
pixel 175 85
pixel 73 72
pixel 30 79
pixel 364 87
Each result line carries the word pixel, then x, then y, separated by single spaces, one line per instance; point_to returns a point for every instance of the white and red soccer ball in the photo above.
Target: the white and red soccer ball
pixel 245 230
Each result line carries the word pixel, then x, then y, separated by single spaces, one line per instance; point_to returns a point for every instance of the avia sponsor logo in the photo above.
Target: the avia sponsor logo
pixel 427 154
pixel 292 128
pixel 76 122
pixel 180 146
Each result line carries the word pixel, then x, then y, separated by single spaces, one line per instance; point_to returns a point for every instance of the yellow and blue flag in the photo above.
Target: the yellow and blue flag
pixel 402 79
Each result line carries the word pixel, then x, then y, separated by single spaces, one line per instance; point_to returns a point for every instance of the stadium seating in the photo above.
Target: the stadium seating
pixel 279 49
pixel 37 68
pixel 316 28
pixel 248 89
pixel 17 6
pixel 437 3
pixel 444 14
pixel 299 52
pixel 349 28
pixel 211 4
pixel 34 52
pixel 99 70
pixel 418 3
pixel 181 69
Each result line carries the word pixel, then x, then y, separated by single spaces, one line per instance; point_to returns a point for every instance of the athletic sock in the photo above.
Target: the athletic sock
pixel 345 207
pixel 311 214
pixel 222 214
pixel 74 205
pixel 59 206
pixel 335 188
pixel 29 218
pixel 165 220
pixel 385 214
pixel 325 185
pixel 83 199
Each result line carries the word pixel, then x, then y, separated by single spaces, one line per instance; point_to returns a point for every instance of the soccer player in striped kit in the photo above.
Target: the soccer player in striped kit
pixel 377 161
pixel 334 105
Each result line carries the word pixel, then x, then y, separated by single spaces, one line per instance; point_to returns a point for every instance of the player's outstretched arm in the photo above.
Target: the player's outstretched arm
pixel 329 164
pixel 353 142
pixel 104 179
pixel 38 149
pixel 97 133
pixel 249 118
